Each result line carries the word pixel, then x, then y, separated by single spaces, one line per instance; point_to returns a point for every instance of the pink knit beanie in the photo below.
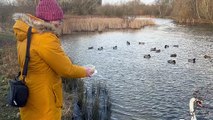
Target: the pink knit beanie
pixel 49 10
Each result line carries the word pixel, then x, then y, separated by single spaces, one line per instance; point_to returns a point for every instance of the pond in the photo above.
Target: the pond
pixel 149 89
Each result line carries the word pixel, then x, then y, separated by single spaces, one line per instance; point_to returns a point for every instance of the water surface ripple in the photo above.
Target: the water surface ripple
pixel 149 89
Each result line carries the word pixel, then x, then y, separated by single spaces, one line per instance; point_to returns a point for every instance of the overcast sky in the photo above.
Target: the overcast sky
pixel 121 1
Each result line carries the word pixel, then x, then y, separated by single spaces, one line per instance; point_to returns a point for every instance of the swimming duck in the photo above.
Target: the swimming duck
pixel 166 46
pixel 127 42
pixel 192 60
pixel 115 48
pixel 101 48
pixel 173 55
pixel 153 49
pixel 147 56
pixel 207 57
pixel 157 51
pixel 171 61
pixel 175 45
pixel 141 43
pixel 90 48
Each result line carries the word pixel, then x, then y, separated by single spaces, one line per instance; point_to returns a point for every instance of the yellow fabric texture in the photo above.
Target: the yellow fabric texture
pixel 48 63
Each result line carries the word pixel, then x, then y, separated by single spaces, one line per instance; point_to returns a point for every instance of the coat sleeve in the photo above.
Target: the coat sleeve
pixel 51 52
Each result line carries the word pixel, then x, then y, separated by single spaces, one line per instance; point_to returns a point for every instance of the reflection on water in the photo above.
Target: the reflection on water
pixel 149 89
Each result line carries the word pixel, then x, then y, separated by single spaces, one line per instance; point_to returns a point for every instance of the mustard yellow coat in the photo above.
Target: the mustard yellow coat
pixel 48 63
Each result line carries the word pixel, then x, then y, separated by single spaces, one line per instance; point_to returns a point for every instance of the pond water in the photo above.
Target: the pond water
pixel 149 89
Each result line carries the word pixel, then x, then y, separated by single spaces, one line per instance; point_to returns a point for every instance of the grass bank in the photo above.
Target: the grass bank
pixel 8 69
pixel 100 24
pixel 8 56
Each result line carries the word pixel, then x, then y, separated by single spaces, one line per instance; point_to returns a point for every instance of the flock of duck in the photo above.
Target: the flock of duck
pixel 194 102
pixel 148 56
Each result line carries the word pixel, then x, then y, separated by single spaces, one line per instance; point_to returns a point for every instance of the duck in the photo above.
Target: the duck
pixel 173 55
pixel 171 61
pixel 192 60
pixel 127 42
pixel 141 43
pixel 192 102
pixel 115 48
pixel 207 57
pixel 166 46
pixel 157 51
pixel 147 56
pixel 153 49
pixel 90 48
pixel 101 48
pixel 175 45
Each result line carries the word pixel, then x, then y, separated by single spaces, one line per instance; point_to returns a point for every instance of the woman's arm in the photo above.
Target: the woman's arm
pixel 51 52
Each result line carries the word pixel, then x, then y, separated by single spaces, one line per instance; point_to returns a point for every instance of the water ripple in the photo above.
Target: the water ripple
pixel 149 89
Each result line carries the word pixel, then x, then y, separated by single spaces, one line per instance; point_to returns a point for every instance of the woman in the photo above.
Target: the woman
pixel 48 62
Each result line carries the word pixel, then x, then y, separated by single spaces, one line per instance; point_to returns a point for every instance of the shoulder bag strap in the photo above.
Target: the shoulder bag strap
pixel 27 58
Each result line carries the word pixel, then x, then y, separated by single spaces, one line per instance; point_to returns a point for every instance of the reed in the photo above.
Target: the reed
pixel 67 106
pixel 99 24
pixel 191 21
pixel 87 103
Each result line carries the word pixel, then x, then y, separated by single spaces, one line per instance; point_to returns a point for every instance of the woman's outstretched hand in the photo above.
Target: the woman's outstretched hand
pixel 90 70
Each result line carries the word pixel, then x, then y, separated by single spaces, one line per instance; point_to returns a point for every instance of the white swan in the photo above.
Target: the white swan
pixel 192 103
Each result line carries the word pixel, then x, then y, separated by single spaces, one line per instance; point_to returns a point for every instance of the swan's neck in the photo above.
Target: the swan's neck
pixel 191 108
pixel 193 117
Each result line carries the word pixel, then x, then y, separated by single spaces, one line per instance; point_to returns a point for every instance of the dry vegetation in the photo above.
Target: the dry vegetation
pixel 8 62
pixel 8 69
pixel 193 11
pixel 184 11
pixel 92 24
pixel 8 56
pixel 67 106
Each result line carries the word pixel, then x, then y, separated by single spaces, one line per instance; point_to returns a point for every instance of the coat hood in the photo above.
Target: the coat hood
pixel 23 21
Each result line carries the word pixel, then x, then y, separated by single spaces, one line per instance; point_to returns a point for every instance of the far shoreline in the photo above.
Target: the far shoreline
pixel 74 24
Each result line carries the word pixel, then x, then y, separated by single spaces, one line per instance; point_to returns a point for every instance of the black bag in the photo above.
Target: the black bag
pixel 18 91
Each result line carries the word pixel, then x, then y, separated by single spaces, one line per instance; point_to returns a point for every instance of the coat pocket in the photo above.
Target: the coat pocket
pixel 57 90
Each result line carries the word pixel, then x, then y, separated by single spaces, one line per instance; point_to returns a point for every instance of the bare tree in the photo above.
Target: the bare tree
pixel 193 9
pixel 163 7
pixel 81 7
pixel 197 9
